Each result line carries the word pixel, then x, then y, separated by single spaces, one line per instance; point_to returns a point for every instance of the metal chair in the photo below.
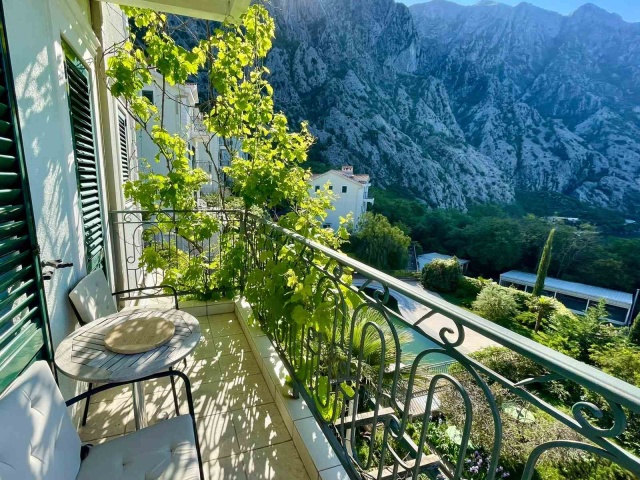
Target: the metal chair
pixel 92 299
pixel 38 440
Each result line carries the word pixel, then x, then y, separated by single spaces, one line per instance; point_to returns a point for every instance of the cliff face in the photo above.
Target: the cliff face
pixel 353 69
pixel 457 105
pixel 553 100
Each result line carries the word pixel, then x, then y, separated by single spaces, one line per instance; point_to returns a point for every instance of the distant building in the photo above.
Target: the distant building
pixel 180 117
pixel 427 258
pixel 183 117
pixel 570 220
pixel 577 297
pixel 351 194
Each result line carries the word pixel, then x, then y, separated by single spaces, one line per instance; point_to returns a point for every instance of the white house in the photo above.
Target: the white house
pixel 183 117
pixel 351 194
pixel 66 148
pixel 180 116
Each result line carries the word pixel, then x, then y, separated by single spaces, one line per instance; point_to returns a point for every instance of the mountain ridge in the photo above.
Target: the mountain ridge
pixel 457 105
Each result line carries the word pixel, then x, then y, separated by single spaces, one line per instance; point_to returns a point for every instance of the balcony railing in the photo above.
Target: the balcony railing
pixel 396 401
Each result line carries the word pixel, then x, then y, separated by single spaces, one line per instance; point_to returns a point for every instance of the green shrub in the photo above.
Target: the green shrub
pixel 527 319
pixel 442 275
pixel 508 363
pixel 496 303
pixel 469 287
pixel 521 298
pixel 634 333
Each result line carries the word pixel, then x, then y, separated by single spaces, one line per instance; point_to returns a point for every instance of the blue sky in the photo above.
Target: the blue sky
pixel 628 9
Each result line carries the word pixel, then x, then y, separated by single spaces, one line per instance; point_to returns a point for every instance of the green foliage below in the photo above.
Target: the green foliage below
pixel 543 266
pixel 501 238
pixel 634 334
pixel 442 275
pixel 544 204
pixel 496 304
pixel 379 244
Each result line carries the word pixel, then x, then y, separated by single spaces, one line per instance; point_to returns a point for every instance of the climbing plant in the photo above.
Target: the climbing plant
pixel 265 169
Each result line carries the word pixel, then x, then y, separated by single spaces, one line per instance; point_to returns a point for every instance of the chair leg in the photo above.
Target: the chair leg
pixel 175 394
pixel 86 407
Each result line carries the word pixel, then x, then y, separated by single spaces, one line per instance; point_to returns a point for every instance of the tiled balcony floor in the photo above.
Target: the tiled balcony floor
pixel 241 432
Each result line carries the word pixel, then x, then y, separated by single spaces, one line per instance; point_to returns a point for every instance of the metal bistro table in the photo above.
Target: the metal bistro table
pixel 83 355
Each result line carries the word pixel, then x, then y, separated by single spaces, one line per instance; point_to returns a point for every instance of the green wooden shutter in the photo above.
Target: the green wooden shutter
pixel 24 329
pixel 124 146
pixel 86 162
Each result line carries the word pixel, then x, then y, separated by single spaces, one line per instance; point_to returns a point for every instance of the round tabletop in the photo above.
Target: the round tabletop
pixel 83 355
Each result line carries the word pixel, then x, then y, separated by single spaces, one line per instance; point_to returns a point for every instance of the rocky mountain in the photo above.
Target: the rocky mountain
pixel 462 104
pixel 554 100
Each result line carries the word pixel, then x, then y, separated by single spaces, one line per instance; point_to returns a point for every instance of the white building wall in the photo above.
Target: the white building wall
pixel 179 116
pixel 112 27
pixel 208 161
pixel 344 203
pixel 35 29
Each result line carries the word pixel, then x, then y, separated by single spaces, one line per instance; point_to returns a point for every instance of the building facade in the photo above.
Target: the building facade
pixel 66 149
pixel 180 116
pixel 351 194
pixel 577 297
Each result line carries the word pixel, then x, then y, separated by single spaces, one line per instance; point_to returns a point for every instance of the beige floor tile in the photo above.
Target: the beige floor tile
pixel 202 371
pixel 222 317
pixel 230 345
pixel 107 419
pixel 238 393
pixel 217 436
pixel 112 395
pixel 278 462
pixel 260 427
pixel 240 364
pixel 160 387
pixel 228 468
pixel 207 348
pixel 224 326
pixel 205 326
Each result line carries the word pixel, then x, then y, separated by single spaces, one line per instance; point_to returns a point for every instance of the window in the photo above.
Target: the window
pixel 331 187
pixel 317 187
pixel 86 162
pixel 617 314
pixel 326 225
pixel 344 189
pixel 24 330
pixel 148 94
pixel 124 146
pixel 572 303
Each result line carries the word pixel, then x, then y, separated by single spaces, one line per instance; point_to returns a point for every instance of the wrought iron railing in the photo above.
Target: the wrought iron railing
pixel 136 232
pixel 437 412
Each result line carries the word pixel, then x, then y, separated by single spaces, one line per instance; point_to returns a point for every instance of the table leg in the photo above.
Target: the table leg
pixel 139 406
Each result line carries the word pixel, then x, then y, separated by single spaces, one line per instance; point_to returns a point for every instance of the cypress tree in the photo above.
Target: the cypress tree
pixel 543 266
pixel 634 334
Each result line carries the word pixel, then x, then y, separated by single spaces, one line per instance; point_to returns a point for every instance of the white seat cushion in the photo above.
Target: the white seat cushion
pixel 37 440
pixel 92 297
pixel 164 451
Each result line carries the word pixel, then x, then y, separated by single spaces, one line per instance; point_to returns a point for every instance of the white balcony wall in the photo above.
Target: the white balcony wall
pixel 35 31
pixel 179 117
pixel 352 201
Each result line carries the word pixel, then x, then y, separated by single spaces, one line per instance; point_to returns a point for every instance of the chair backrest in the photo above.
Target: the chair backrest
pixel 92 298
pixel 37 440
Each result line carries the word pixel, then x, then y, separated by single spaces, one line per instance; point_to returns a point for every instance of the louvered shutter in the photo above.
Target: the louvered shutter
pixel 86 163
pixel 124 146
pixel 24 335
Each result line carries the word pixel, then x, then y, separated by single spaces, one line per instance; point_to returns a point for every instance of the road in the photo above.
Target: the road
pixel 412 311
